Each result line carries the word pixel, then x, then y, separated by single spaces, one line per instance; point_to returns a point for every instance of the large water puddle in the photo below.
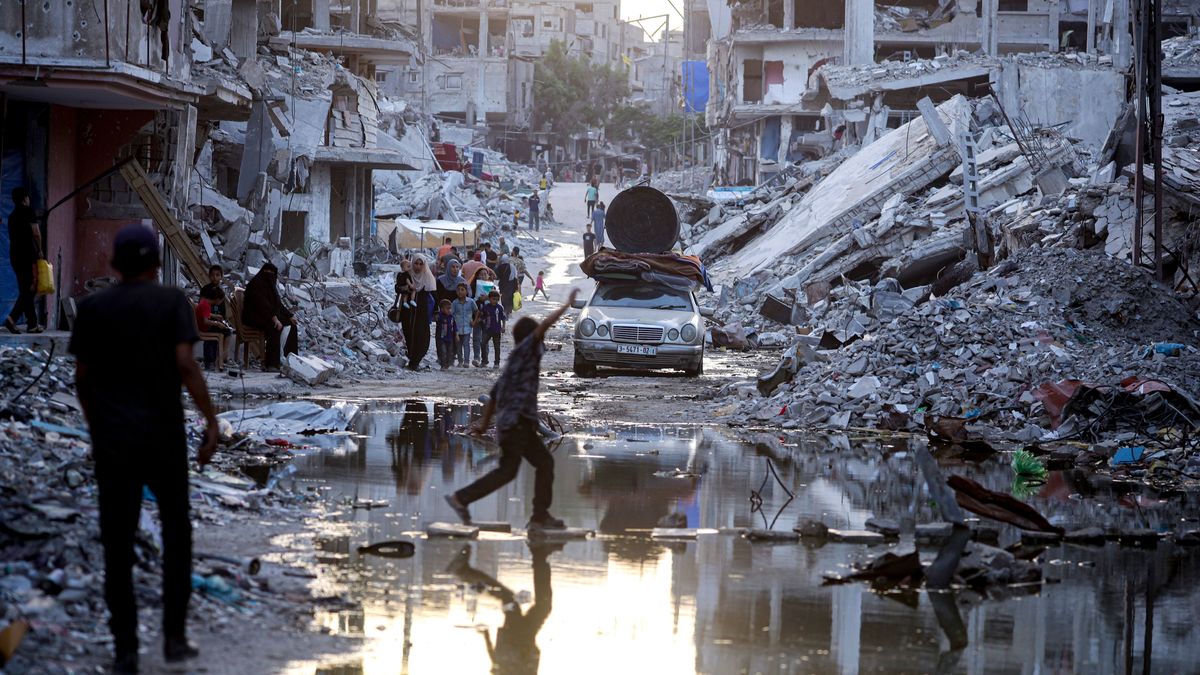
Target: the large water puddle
pixel 623 603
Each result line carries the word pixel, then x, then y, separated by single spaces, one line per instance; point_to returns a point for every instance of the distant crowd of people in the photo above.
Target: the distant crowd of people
pixel 462 308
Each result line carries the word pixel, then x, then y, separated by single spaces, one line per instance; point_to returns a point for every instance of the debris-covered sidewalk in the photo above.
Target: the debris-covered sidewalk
pixel 51 561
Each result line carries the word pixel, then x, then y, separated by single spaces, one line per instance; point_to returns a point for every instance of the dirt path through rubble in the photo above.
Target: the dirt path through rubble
pixel 628 396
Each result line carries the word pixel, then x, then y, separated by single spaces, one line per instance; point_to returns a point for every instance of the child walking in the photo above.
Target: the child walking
pixel 492 320
pixel 465 312
pixel 540 285
pixel 513 404
pixel 589 242
pixel 447 332
pixel 405 294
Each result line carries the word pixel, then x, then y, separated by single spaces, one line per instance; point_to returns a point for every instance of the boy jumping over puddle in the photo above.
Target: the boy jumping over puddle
pixel 513 403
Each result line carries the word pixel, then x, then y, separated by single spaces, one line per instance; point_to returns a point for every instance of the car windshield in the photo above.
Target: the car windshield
pixel 642 296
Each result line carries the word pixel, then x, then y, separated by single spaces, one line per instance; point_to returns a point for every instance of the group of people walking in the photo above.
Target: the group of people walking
pixel 462 308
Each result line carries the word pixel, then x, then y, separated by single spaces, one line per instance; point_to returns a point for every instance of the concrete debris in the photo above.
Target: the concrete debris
pixel 978 352
pixel 53 574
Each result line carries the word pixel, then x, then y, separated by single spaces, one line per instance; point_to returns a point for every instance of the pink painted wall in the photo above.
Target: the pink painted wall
pixel 60 180
pixel 99 134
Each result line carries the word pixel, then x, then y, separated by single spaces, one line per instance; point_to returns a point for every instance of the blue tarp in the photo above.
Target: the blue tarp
pixel 695 86
pixel 11 175
pixel 770 138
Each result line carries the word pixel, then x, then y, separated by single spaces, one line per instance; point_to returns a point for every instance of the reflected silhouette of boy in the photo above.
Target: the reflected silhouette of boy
pixel 515 649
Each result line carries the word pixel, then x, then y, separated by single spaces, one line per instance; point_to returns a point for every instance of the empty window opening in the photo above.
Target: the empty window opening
pixel 775 13
pixel 455 36
pixel 828 14
pixel 291 234
pixel 752 81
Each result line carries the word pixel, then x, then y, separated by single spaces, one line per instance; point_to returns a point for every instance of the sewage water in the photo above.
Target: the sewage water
pixel 623 603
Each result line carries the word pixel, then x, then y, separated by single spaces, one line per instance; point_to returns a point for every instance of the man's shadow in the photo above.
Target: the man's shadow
pixel 515 649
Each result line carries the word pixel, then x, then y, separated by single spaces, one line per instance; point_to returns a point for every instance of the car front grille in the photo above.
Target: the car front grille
pixel 643 334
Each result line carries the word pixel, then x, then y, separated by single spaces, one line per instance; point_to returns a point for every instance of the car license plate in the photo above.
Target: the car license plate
pixel 640 350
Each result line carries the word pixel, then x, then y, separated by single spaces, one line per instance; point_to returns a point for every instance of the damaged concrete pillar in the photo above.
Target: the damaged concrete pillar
pixel 317 225
pixel 988 30
pixel 859 48
pixel 243 32
pixel 321 15
pixel 217 17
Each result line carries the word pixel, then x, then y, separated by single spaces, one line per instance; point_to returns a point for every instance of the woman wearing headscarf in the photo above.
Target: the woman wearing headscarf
pixel 447 283
pixel 264 309
pixel 506 277
pixel 469 269
pixel 414 321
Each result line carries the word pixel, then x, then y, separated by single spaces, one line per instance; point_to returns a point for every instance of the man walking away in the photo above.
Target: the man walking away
pixel 133 349
pixel 513 403
pixel 534 215
pixel 24 250
pixel 598 216
pixel 593 196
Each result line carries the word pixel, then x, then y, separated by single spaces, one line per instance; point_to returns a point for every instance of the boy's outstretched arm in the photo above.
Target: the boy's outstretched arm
pixel 544 326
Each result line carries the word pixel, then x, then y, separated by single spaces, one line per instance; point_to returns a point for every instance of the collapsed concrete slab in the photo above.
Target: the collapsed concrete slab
pixel 904 161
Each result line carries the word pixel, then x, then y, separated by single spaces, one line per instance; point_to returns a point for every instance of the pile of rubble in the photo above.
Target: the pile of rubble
pixel 51 575
pixel 1181 55
pixel 981 350
pixel 695 179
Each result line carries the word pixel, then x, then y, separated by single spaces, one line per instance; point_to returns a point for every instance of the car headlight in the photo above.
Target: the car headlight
pixel 602 331
pixel 673 334
pixel 587 327
pixel 689 333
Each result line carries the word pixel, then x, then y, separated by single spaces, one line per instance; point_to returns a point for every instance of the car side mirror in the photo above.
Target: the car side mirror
pixel 579 303
pixel 707 312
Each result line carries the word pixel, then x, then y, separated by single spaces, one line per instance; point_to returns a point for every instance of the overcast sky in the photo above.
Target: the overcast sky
pixel 632 9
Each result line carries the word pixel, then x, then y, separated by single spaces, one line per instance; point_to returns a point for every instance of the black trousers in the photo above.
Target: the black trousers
pixel 24 306
pixel 120 475
pixel 494 340
pixel 520 441
pixel 272 358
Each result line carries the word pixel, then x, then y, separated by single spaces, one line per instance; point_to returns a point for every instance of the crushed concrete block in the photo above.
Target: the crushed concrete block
pixel 856 537
pixel 772 535
pixel 863 387
pixel 933 532
pixel 310 370
pixel 884 526
pixel 451 531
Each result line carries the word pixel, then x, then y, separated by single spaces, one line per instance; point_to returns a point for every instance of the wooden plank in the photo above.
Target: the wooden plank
pixel 177 239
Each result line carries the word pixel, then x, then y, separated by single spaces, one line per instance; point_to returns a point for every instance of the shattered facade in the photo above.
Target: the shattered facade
pixel 774 104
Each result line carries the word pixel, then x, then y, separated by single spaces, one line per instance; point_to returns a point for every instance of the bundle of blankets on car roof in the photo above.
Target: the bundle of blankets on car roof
pixel 675 270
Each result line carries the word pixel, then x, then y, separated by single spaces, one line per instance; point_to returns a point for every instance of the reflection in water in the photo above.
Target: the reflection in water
pixel 721 604
pixel 515 649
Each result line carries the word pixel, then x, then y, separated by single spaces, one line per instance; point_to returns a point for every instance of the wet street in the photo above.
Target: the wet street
pixel 624 602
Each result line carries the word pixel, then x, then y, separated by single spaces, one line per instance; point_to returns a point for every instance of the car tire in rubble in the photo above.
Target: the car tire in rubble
pixel 698 370
pixel 583 368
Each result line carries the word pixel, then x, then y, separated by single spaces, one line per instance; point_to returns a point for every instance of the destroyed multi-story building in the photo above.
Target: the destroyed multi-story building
pixel 255 140
pixel 770 60
pixel 80 91
pixel 476 68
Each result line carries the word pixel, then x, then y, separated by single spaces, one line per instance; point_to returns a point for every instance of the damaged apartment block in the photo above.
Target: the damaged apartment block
pixel 786 89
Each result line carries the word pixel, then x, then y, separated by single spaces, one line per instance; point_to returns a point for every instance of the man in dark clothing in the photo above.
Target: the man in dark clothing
pixel 24 250
pixel 133 349
pixel 265 311
pixel 513 402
